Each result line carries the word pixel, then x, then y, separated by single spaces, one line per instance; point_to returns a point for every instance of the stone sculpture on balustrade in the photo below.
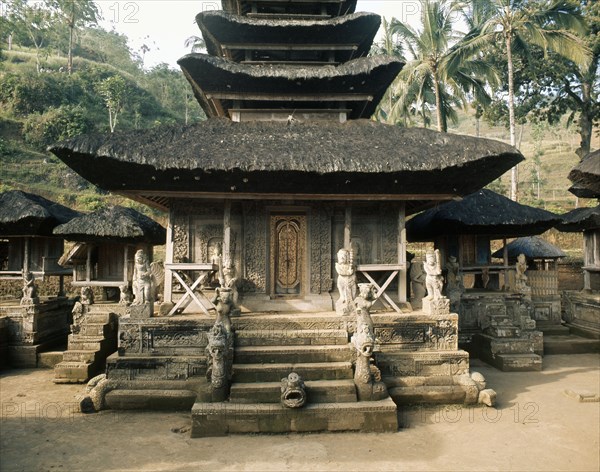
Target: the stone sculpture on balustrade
pixel 454 283
pixel 346 282
pixel 367 377
pixel 417 283
pixel 434 303
pixel 143 300
pixel 30 293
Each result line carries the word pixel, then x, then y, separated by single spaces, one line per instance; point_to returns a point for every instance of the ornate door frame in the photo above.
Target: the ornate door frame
pixel 288 253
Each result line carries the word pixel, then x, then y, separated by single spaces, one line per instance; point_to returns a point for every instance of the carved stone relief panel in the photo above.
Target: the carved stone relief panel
pixel 255 247
pixel 321 249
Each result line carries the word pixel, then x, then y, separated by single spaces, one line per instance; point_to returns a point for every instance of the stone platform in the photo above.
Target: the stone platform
pixel 162 364
pixel 582 313
pixel 35 328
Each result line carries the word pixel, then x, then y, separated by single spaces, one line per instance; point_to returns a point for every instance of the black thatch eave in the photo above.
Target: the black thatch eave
pixel 580 219
pixel 483 212
pixel 532 247
pixel 219 156
pixel 27 214
pixel 363 77
pixel 586 176
pixel 221 28
pixel 343 7
pixel 115 223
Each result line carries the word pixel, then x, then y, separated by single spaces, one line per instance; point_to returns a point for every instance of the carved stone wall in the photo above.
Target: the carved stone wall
pixel 321 249
pixel 255 247
pixel 412 333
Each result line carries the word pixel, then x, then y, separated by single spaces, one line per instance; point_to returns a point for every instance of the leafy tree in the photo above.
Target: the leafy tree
pixel 75 14
pixel 56 124
pixel 195 43
pixel 518 24
pixel 439 66
pixel 32 23
pixel 114 90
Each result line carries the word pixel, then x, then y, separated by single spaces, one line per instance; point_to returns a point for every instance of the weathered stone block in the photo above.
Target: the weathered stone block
pixel 438 306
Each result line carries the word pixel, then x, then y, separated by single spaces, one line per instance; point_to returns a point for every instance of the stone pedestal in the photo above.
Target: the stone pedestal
pixel 35 328
pixel 438 306
pixel 582 313
pixel 143 311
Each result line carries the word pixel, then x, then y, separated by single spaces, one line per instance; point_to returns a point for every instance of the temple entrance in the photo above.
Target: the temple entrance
pixel 288 249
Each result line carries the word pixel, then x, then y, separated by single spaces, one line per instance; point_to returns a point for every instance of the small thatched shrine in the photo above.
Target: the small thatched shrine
pixel 491 292
pixel 31 280
pixel 285 205
pixel 586 177
pixel 582 310
pixel 106 242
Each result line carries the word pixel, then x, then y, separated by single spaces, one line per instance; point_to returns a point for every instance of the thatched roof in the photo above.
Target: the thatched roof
pixel 229 35
pixel 113 223
pixel 580 219
pixel 240 7
pixel 26 214
pixel 358 84
pixel 219 156
pixel 586 177
pixel 483 212
pixel 532 247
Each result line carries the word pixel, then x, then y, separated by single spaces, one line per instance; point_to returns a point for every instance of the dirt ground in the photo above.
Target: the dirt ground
pixel 535 426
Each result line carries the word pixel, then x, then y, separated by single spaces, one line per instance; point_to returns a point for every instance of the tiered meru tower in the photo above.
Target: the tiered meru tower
pixel 287 171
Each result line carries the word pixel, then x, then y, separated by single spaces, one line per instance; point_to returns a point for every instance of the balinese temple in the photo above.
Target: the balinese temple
pixel 582 310
pixel 489 296
pixel 31 280
pixel 287 171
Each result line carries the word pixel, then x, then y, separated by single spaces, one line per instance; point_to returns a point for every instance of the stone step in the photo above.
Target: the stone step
pixel 86 344
pixel 98 317
pixel 504 331
pixel 293 354
pixel 49 359
pixel 74 372
pixel 553 329
pixel 95 329
pixel 220 419
pixel 559 344
pixel 517 362
pixel 512 345
pixel 317 391
pixel 80 356
pixel 308 371
pixel 271 337
pixel 157 400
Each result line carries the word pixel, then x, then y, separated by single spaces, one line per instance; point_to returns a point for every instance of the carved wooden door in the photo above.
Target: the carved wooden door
pixel 288 241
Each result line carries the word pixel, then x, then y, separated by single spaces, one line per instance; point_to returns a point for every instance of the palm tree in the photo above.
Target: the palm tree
pixel 196 43
pixel 436 68
pixel 549 24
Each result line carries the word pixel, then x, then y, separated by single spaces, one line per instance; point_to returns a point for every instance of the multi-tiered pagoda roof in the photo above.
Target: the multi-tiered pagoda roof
pixel 279 82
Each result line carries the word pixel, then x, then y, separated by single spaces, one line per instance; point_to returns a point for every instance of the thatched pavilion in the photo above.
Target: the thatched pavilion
pixel 27 244
pixel 26 240
pixel 106 242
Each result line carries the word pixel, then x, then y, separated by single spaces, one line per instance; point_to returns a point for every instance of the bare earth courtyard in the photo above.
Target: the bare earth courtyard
pixel 535 426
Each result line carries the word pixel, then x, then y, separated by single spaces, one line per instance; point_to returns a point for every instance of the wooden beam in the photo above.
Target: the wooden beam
pixel 290 97
pixel 289 47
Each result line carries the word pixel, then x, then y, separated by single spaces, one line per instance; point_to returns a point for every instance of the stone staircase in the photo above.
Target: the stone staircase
pixel 266 353
pixel 509 347
pixel 558 339
pixel 88 349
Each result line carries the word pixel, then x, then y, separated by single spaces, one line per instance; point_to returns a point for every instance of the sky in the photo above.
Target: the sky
pixel 164 25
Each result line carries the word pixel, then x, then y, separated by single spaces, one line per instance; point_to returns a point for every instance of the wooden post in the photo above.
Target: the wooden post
pixel 227 256
pixel 88 264
pixel 125 264
pixel 348 227
pixel 26 255
pixel 168 287
pixel 505 258
pixel 402 275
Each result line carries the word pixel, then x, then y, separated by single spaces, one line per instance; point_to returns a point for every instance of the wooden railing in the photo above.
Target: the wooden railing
pixel 543 282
